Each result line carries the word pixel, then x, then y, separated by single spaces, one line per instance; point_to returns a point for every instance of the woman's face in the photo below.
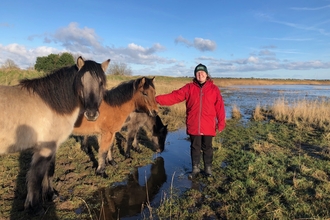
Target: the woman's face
pixel 201 76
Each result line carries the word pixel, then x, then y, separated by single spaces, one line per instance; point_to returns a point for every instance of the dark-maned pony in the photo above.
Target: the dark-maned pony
pixel 137 120
pixel 117 104
pixel 40 114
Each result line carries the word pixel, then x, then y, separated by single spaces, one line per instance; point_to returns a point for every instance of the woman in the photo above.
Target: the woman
pixel 205 114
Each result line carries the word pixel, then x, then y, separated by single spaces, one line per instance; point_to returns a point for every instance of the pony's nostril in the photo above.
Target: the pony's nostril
pixel 91 115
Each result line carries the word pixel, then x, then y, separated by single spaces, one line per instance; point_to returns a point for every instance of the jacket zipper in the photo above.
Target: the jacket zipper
pixel 200 110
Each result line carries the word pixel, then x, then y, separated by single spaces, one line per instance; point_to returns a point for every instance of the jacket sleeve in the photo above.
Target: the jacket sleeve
pixel 221 113
pixel 174 97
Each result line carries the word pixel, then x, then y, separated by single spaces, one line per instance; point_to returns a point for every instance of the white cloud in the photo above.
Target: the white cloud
pixel 199 43
pixel 22 56
pixel 184 41
pixel 252 59
pixel 74 38
pixel 84 42
pixel 204 44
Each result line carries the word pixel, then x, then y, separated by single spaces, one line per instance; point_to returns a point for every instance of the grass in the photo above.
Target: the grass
pixel 273 171
pixel 273 167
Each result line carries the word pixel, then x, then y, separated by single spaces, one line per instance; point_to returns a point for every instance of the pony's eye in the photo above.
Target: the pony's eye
pixel 144 93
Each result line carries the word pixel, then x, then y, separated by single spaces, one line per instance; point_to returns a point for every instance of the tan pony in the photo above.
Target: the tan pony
pixel 118 103
pixel 40 114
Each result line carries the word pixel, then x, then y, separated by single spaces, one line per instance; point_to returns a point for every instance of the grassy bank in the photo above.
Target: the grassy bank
pixel 273 167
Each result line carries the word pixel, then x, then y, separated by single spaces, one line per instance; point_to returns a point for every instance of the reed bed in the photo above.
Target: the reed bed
pixel 314 113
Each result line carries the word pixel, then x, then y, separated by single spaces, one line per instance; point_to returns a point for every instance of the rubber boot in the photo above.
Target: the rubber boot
pixel 208 171
pixel 195 172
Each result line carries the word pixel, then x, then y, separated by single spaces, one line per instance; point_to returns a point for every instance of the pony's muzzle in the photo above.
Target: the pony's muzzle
pixel 91 115
pixel 159 150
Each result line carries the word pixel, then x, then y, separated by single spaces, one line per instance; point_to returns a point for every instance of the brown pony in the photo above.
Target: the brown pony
pixel 40 114
pixel 117 104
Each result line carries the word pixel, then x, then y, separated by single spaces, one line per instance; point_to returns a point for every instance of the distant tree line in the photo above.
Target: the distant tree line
pixel 55 61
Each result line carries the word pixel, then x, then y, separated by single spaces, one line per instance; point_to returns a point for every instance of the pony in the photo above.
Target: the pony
pixel 33 110
pixel 137 120
pixel 117 104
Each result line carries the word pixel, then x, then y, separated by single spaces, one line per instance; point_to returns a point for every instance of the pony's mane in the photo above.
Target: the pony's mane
pixel 124 91
pixel 120 94
pixel 159 124
pixel 58 89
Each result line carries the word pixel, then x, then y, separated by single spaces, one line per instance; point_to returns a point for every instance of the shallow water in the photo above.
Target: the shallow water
pixel 248 97
pixel 174 164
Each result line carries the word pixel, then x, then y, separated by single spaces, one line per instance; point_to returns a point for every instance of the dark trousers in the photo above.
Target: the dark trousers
pixel 201 143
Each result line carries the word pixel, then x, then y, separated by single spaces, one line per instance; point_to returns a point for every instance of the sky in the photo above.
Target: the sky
pixel 276 39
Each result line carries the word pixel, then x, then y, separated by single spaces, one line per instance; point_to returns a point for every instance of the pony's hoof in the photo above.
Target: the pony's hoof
pixel 138 150
pixel 51 196
pixel 35 211
pixel 128 156
pixel 102 174
pixel 112 163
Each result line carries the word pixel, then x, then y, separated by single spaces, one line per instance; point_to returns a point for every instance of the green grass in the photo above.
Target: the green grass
pixel 273 171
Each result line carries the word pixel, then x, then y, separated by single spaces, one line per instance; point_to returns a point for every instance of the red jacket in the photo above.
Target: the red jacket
pixel 205 110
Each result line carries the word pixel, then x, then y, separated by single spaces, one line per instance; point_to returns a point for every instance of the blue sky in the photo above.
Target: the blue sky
pixel 260 39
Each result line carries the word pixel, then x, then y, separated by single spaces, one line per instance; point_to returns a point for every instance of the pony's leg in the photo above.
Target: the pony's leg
pixel 154 140
pixel 135 143
pixel 84 145
pixel 130 140
pixel 48 191
pixel 105 141
pixel 40 164
pixel 110 159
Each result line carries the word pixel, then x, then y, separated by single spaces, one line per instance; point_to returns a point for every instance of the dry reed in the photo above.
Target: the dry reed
pixel 257 113
pixel 303 112
pixel 235 112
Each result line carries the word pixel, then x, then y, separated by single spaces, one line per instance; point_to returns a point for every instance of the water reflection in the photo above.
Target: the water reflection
pixel 129 198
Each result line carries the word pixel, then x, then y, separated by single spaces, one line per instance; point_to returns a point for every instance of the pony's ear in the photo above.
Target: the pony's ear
pixel 143 80
pixel 153 79
pixel 80 62
pixel 105 65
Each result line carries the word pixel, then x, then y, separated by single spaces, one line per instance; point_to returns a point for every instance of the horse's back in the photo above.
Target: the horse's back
pixel 139 119
pixel 27 120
